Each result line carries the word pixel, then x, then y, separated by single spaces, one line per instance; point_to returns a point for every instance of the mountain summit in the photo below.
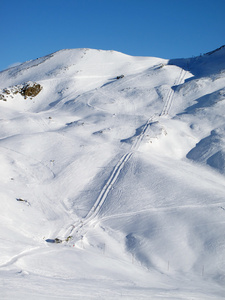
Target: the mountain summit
pixel 112 177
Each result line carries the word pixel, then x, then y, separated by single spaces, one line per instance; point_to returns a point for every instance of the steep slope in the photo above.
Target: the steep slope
pixel 127 171
pixel 204 100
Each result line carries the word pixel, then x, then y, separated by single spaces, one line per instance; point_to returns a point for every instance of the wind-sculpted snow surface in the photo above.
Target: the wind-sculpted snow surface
pixel 112 178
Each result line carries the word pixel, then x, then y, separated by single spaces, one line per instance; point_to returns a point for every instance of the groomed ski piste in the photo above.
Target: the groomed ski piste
pixel 112 177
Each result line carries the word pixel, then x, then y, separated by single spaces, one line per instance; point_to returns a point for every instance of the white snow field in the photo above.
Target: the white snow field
pixel 113 187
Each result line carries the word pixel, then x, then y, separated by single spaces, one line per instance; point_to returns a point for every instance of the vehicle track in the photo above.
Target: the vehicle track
pixel 169 98
pixel 78 227
pixel 27 252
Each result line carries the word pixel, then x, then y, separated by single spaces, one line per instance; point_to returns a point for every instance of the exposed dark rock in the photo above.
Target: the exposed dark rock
pixel 6 91
pixel 31 89
pixel 28 89
pixel 2 97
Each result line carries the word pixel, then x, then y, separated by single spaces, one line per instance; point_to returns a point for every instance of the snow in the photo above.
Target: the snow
pixel 129 171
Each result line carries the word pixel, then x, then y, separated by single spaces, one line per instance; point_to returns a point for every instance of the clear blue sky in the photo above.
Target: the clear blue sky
pixel 162 28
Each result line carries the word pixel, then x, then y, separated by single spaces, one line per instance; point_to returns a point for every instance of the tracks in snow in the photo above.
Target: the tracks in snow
pixel 79 226
pixel 107 187
pixel 169 98
pixel 27 252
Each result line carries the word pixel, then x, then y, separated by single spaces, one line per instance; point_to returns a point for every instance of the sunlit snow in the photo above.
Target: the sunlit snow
pixel 112 187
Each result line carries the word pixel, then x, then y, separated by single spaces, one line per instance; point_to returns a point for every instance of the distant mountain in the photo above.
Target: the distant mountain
pixel 112 177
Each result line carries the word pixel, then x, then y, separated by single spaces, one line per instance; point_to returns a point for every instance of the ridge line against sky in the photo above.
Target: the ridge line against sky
pixel 162 28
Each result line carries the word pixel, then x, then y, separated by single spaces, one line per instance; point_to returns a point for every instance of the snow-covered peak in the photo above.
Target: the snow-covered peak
pixel 112 177
pixel 77 63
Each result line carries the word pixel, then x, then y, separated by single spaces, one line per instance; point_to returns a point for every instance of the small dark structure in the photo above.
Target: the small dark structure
pixel 22 200
pixel 57 241
pixel 120 76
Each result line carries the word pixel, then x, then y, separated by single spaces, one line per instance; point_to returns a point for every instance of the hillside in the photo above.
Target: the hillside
pixel 112 177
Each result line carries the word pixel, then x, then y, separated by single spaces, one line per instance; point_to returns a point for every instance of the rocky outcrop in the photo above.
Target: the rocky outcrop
pixel 31 89
pixel 27 90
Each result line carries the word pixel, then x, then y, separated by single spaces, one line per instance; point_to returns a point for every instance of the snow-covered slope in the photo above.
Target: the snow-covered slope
pixel 127 171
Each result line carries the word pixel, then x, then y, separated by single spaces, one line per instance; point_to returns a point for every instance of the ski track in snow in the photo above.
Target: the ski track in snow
pixel 22 254
pixel 161 246
pixel 109 184
pixel 169 98
pixel 93 212
pixel 80 227
pixel 165 208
